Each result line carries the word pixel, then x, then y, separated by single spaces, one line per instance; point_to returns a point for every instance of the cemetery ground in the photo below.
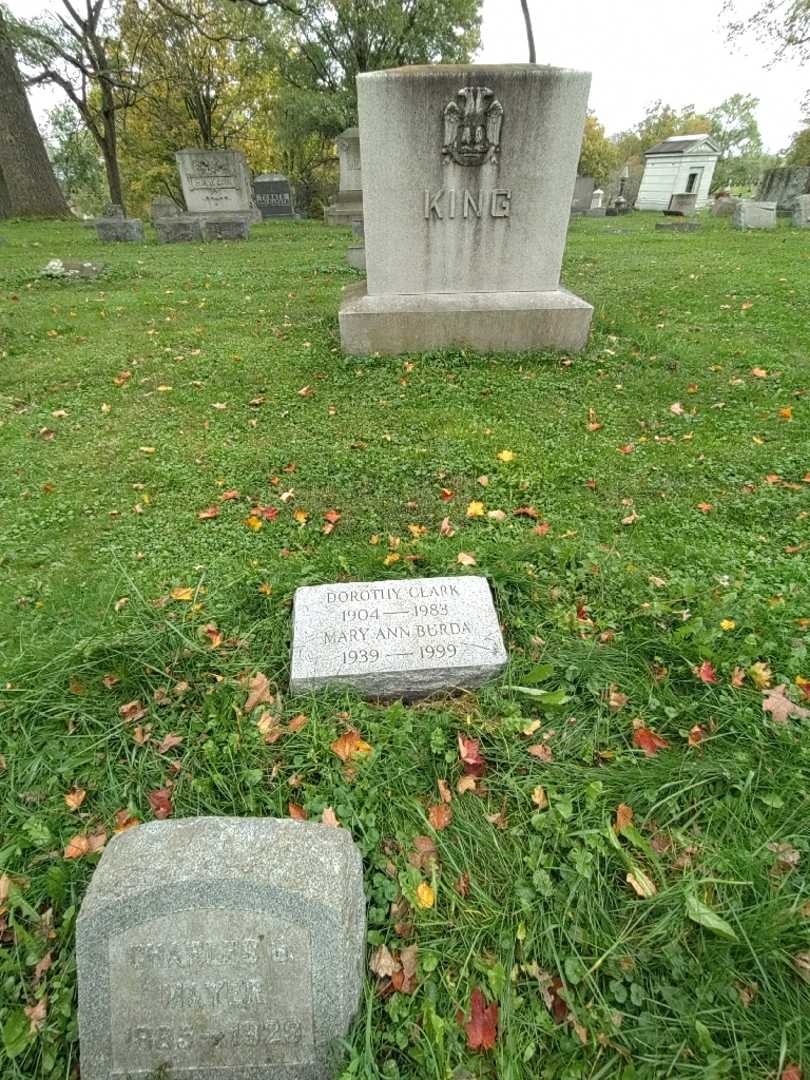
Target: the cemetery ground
pixel 620 864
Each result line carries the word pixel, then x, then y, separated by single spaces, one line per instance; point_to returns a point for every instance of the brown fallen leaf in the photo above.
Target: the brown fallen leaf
pixel 706 673
pixel 75 797
pixel 464 558
pixel 169 742
pixel 641 883
pixel 425 855
pixel 260 694
pixel 85 844
pixel 440 815
pixel 36 1014
pixel 297 811
pixel 624 817
pixel 616 700
pixel 124 820
pixel 648 741
pixel 542 751
pixel 132 712
pixel 43 967
pixel 350 745
pixel 801 965
pixel 161 802
pixel 209 513
pixel 329 817
pixel 382 963
pixel 778 704
pixel 445 794
pixel 404 980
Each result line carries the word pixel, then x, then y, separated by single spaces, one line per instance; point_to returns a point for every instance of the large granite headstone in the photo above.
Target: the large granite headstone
pixel 273 196
pixel 396 639
pixel 750 214
pixel 220 949
pixel 217 183
pixel 348 203
pixel 468 176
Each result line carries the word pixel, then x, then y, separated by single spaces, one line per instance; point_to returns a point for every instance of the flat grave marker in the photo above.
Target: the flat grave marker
pixel 396 639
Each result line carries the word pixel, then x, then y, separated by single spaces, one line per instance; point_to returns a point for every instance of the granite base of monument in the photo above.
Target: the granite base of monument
pixel 356 258
pixel 801 212
pixel 225 228
pixel 750 214
pixel 396 639
pixel 120 230
pixel 487 322
pixel 220 947
pixel 185 229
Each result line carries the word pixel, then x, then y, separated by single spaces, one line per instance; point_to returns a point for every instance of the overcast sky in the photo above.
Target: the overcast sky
pixel 637 50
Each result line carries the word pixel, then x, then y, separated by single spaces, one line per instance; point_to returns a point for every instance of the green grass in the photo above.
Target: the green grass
pixel 87 518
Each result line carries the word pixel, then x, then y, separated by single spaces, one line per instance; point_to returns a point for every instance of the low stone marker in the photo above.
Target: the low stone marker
pixel 227 228
pixel 71 268
pixel 724 206
pixel 220 947
pixel 682 204
pixel 182 229
pixel 677 226
pixel 396 639
pixel 114 228
pixel 163 207
pixel 749 214
pixel 801 211
pixel 273 196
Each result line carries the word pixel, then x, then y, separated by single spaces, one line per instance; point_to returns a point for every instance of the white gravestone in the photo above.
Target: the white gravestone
pixel 348 204
pixel 749 214
pixel 468 177
pixel 396 639
pixel 217 182
pixel 214 948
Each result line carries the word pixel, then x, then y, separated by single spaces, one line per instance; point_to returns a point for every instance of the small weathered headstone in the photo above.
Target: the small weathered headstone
pixel 226 228
pixel 213 948
pixel 71 268
pixel 749 214
pixel 347 204
pixel 183 229
pixel 396 639
pixel 163 207
pixel 114 228
pixel 724 206
pixel 584 187
pixel 273 196
pixel 801 211
pixel 682 204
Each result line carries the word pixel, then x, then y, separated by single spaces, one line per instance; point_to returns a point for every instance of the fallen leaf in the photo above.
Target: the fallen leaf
pixel 539 798
pixel 616 700
pixel 301 516
pixel 778 704
pixel 297 812
pixel 728 624
pixel 505 455
pixel 787 857
pixel 404 980
pixel 801 965
pixel 260 694
pixel 269 728
pixel 329 817
pixel 253 522
pixel 425 855
pixel 696 735
pixel 641 883
pixel 624 817
pixel 631 519
pixel 483 480
pixel 36 1015
pixel 446 494
pixel 738 677
pixel 475 509
pixel 169 742
pixel 792 1072
pixel 382 963
pixel 468 782
pixel 542 529
pixel 496 515
pixel 350 745
pixel 74 798
pixel 42 967
pixel 706 673
pixel 182 594
pixel 132 711
pixel 207 515
pixel 445 793
pixel 628 449
pixel 482 1027
pixel 760 675
pixel 161 802
pixel 306 391
pixel 676 408
pixel 526 511
pixel 213 635
pixel 542 751
pixel 425 897
pixel 331 518
pixel 440 815
pixel 465 559
pixel 124 820
pixel 759 373
pixel 648 741
pixel 85 844
pixel 704 507
pixel 229 496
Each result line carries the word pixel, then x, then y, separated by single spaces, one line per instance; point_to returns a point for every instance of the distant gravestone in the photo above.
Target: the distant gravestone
pixel 114 228
pixel 801 212
pixel 348 203
pixel 273 196
pixel 217 183
pixel 584 188
pixel 219 948
pixel 749 214
pixel 181 229
pixel 162 208
pixel 225 228
pixel 724 206
pixel 71 268
pixel 682 204
pixel 396 639
pixel 677 226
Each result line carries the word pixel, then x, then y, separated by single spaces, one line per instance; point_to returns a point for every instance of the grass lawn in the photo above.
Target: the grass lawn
pixel 659 582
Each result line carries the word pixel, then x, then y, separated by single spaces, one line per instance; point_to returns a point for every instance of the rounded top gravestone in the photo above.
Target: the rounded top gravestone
pixel 220 949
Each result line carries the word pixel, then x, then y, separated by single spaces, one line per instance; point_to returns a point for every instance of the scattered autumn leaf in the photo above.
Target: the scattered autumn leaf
pixel 404 980
pixel 297 811
pixel 350 745
pixel 425 897
pixel 624 817
pixel 36 1014
pixel 440 815
pixel 641 883
pixel 382 963
pixel 616 700
pixel 329 817
pixel 542 751
pixel 475 509
pixel 760 675
pixel 124 820
pixel 161 802
pixel 132 712
pixel 465 559
pixel 482 1027
pixel 75 797
pixel 168 743
pixel 182 594
pixel 778 704
pixel 539 798
pixel 209 513
pixel 506 455
pixel 259 686
pixel 648 741
pixel 85 844
pixel 706 673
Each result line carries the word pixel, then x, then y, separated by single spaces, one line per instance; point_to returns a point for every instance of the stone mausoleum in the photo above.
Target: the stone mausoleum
pixel 468 177
pixel 681 165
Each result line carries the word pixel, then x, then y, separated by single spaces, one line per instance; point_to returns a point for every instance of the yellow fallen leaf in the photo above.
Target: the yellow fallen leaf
pixel 301 516
pixel 253 522
pixel 266 589
pixel 761 675
pixel 425 897
pixel 147 449
pixel 539 798
pixel 466 559
pixel 475 509
pixel 506 455
pixel 391 558
pixel 641 884
pixel 728 624
pixel 182 594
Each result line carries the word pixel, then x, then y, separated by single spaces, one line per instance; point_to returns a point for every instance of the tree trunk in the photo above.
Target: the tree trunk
pixel 109 149
pixel 529 32
pixel 28 187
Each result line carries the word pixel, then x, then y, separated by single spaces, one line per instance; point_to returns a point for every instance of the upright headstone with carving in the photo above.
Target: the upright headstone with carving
pixel 273 196
pixel 216 183
pixel 749 214
pixel 348 204
pixel 213 948
pixel 801 211
pixel 396 639
pixel 468 177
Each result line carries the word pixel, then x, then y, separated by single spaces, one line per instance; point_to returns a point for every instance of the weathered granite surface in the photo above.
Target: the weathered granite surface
pixel 220 949
pixel 749 214
pixel 468 178
pixel 677 226
pixel 182 229
pixel 273 196
pixel 682 204
pixel 225 228
pixel 396 639
pixel 801 211
pixel 120 230
pixel 347 204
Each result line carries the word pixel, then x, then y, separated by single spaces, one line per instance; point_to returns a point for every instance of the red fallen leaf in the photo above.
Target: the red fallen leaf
pixel 206 515
pixel 446 494
pixel 297 811
pixel 582 614
pixel 792 1072
pixel 440 815
pixel 558 1006
pixel 269 513
pixel 526 511
pixel 213 635
pixel 462 886
pixel 541 529
pixel 298 722
pixel 647 740
pixel 169 742
pixel 626 449
pixel 542 751
pixel 590 484
pixel 705 508
pixel 696 735
pixel 331 517
pixel 404 980
pixel 470 753
pixel 161 802
pixel 706 673
pixel 482 1027
pixel 229 496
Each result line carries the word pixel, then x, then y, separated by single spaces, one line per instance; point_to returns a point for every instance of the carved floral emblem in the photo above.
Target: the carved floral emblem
pixel 472 127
